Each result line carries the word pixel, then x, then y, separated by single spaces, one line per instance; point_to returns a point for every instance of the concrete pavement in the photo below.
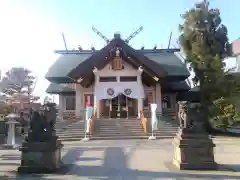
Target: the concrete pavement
pixel 127 159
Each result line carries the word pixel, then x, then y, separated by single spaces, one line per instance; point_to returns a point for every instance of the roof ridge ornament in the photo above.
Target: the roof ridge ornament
pixel 133 34
pixel 100 35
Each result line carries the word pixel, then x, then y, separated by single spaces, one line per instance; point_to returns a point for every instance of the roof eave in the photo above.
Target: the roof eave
pixel 59 80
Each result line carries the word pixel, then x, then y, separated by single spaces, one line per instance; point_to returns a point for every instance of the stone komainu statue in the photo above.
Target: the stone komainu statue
pixel 185 115
pixel 42 124
pixel 190 115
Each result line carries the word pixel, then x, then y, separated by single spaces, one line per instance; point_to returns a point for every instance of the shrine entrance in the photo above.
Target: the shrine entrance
pixel 120 106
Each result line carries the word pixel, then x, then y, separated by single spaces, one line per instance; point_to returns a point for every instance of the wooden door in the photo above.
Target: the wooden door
pixel 123 106
pixel 114 111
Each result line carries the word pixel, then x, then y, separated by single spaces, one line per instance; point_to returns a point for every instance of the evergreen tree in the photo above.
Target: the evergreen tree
pixel 204 40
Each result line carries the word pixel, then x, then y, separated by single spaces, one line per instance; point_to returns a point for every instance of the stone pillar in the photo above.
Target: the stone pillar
pixel 139 100
pixel 96 102
pixel 96 106
pixel 158 99
pixel 79 102
pixel 61 106
pixel 193 151
pixel 140 106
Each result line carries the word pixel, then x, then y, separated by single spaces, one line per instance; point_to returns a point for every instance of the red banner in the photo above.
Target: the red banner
pixel 150 98
pixel 88 100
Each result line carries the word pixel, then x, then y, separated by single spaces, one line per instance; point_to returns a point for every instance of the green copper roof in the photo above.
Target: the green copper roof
pixel 171 63
pixel 68 62
pixel 59 88
pixel 176 86
pixel 65 63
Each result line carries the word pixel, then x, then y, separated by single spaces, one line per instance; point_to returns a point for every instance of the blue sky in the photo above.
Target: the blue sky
pixel 31 29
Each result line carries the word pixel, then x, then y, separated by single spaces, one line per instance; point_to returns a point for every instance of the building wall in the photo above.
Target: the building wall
pixel 153 92
pixel 165 108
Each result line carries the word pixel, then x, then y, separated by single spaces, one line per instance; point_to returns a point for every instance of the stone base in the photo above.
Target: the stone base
pixel 40 157
pixel 11 146
pixel 193 151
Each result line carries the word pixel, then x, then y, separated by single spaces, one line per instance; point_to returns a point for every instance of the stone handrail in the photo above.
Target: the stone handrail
pixel 92 121
pixel 144 122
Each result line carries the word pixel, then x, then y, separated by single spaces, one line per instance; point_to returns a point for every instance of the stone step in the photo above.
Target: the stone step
pixel 116 138
pixel 115 129
pixel 117 124
pixel 116 133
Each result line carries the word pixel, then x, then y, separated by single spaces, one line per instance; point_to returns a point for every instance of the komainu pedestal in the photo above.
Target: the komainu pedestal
pixel 41 150
pixel 193 151
pixel 40 157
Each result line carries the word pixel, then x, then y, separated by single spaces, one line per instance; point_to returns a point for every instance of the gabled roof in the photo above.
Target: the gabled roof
pixel 74 64
pixel 98 60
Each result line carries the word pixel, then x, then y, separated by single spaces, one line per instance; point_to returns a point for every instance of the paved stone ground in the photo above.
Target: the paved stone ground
pixel 126 160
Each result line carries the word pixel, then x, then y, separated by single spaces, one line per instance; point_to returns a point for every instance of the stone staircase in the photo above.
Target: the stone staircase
pixel 167 128
pixel 170 114
pixel 71 130
pixel 116 129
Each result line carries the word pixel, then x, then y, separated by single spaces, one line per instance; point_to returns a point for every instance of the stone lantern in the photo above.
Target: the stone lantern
pixel 11 122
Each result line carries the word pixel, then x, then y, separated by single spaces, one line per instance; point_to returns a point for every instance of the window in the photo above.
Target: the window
pixel 70 103
pixel 128 78
pixel 108 79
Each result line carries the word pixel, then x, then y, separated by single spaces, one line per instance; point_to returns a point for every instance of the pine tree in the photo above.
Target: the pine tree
pixel 204 40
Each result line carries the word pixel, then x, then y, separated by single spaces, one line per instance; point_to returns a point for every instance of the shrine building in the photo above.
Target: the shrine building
pixel 117 80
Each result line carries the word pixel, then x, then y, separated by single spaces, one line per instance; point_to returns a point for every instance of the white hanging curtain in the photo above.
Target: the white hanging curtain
pixel 109 90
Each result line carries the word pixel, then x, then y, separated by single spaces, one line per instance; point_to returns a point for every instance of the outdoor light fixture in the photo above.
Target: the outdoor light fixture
pixel 79 80
pixel 95 70
pixel 155 78
pixel 140 69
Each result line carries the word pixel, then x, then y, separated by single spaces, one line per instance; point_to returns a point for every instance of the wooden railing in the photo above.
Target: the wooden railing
pixel 92 121
pixel 144 122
